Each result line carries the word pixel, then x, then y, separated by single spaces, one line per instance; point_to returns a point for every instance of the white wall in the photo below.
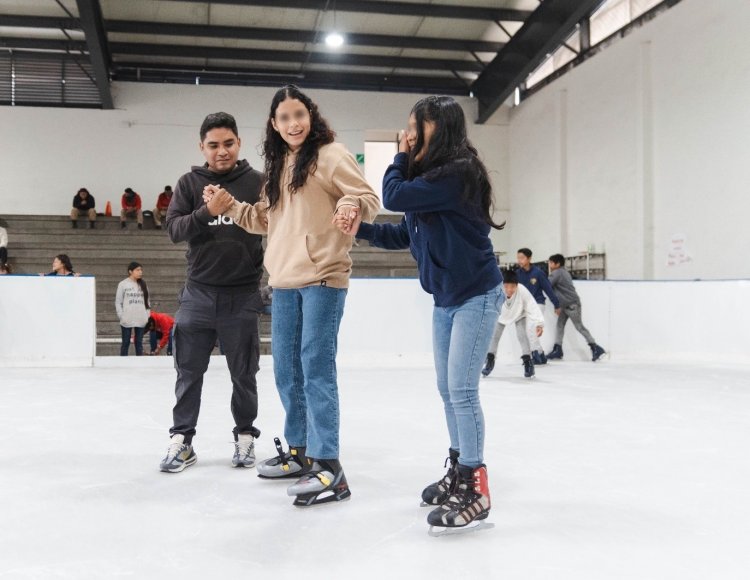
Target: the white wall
pixel 47 321
pixel 644 141
pixel 151 138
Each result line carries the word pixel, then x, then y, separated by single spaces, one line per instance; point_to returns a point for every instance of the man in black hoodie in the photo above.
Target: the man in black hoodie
pixel 221 297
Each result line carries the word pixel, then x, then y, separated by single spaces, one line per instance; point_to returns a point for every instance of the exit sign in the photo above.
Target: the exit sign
pixel 360 158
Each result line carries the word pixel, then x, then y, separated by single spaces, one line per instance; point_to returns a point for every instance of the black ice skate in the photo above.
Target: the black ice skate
pixel 292 463
pixel 596 351
pixel 324 483
pixel 467 505
pixel 436 493
pixel 539 358
pixel 556 353
pixel 528 366
pixel 489 364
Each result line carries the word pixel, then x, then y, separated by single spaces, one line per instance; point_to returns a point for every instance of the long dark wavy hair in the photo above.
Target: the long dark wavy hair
pixel 141 282
pixel 275 148
pixel 449 151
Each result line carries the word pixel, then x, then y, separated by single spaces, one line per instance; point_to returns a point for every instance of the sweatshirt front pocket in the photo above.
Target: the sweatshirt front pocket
pixel 326 248
pixel 288 262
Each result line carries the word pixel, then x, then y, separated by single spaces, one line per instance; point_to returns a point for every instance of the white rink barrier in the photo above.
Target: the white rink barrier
pixel 51 321
pixel 47 321
pixel 640 320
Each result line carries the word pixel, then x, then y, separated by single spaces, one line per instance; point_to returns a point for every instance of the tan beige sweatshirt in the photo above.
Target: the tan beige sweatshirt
pixel 304 247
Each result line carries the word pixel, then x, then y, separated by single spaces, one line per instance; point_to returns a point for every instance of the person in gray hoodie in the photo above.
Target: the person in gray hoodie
pixel 131 303
pixel 570 307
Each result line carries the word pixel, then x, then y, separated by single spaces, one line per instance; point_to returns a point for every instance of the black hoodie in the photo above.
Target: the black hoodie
pixel 220 255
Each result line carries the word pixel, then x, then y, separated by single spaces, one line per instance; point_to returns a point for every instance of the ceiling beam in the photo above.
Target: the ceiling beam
pixel 92 24
pixel 75 46
pixel 541 34
pixel 298 35
pixel 293 56
pixel 154 72
pixel 23 21
pixel 452 11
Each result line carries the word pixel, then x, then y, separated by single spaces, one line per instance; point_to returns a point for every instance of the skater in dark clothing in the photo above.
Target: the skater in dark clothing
pixel 442 187
pixel 309 179
pixel 536 283
pixel 570 304
pixel 221 295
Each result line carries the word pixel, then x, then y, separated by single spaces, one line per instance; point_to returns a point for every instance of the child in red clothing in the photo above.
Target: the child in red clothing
pixel 160 328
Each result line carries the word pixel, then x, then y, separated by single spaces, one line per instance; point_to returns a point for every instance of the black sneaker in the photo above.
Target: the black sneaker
pixel 123 225
pixel 75 224
pixel 140 226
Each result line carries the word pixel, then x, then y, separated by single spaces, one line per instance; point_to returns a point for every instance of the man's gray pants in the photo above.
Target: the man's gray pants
pixel 572 311
pixel 202 317
pixel 523 337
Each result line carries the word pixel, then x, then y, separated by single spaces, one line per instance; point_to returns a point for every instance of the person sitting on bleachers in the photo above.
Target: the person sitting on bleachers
pixel 131 207
pixel 160 211
pixel 160 327
pixel 61 266
pixel 83 203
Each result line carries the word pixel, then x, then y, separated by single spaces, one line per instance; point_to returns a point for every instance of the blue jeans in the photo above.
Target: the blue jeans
pixel 460 337
pixel 156 336
pixel 304 337
pixel 126 333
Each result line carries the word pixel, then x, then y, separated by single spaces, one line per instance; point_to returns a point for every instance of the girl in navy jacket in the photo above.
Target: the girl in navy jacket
pixel 442 187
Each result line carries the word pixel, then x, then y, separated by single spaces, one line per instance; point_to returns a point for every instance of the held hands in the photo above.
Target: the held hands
pixel 347 219
pixel 539 330
pixel 217 199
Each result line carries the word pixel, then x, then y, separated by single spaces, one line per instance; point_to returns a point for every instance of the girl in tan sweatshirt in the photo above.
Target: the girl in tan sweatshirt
pixel 309 180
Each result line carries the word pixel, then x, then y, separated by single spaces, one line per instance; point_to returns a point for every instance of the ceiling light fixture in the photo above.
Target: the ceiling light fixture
pixel 333 38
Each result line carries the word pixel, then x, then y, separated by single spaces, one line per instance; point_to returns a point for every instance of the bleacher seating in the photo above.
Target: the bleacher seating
pixel 105 252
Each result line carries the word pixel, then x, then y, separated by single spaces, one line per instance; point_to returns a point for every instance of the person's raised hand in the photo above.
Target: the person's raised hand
pixel 403 142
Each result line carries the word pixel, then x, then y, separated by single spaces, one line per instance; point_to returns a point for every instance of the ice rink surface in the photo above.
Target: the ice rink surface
pixel 598 471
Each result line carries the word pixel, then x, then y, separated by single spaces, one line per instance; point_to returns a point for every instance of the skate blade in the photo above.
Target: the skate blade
pixel 327 496
pixel 603 357
pixel 439 531
pixel 286 477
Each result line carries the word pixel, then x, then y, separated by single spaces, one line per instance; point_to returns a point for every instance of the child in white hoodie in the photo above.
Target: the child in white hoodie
pixel 520 308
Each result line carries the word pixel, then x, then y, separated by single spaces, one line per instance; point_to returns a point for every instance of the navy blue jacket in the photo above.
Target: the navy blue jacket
pixel 447 236
pixel 536 282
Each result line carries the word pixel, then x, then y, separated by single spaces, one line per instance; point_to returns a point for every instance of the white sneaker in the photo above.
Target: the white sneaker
pixel 179 455
pixel 244 451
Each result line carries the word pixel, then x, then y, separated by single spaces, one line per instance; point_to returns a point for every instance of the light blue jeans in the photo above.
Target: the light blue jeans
pixel 304 337
pixel 460 338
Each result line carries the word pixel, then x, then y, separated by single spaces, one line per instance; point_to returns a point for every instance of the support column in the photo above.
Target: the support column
pixel 646 162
